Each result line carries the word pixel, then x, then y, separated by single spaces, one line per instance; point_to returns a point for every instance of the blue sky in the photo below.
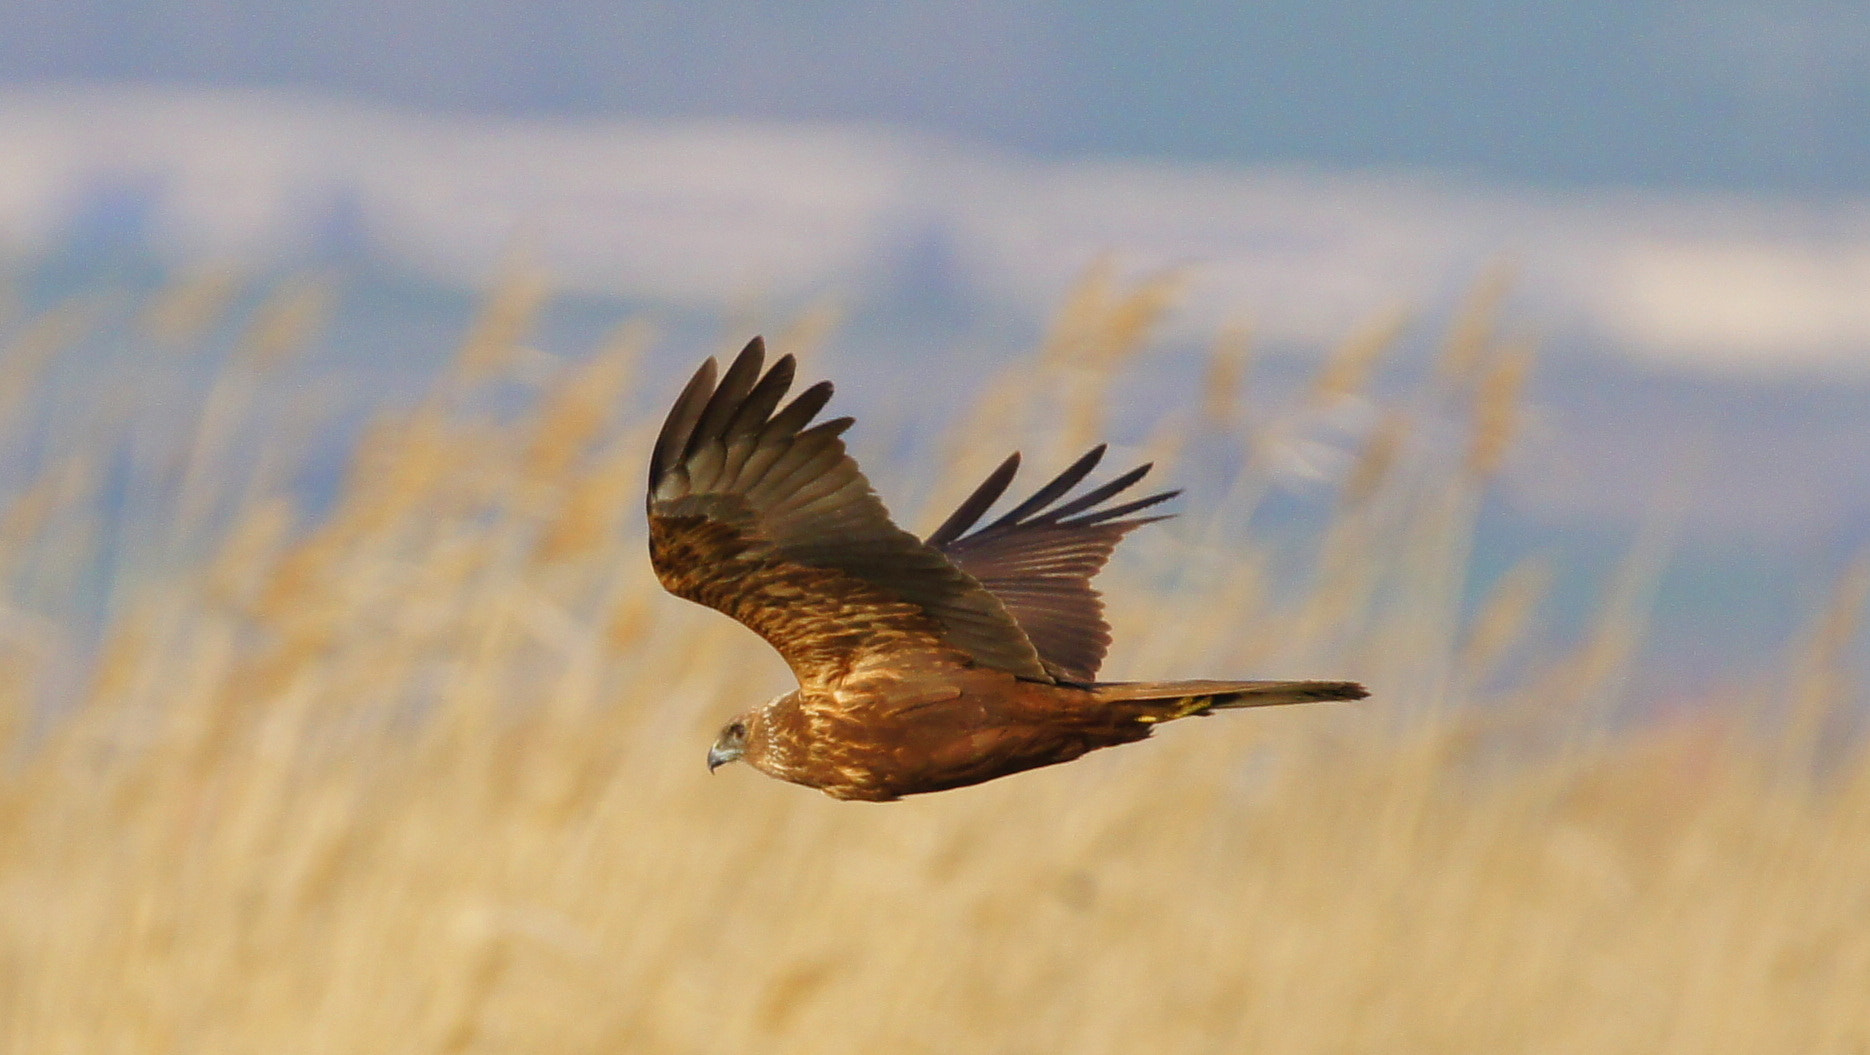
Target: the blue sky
pixel 1741 95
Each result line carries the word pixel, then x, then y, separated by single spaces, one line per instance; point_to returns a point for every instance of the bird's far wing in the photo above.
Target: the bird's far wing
pixel 1039 558
pixel 755 514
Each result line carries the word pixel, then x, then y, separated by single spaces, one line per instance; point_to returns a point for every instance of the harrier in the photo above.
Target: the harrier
pixel 923 664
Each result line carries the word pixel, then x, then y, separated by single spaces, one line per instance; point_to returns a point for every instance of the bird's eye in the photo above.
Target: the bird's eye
pixel 736 731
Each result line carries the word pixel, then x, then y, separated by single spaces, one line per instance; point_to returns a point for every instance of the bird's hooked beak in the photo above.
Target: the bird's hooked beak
pixel 720 755
pixel 730 746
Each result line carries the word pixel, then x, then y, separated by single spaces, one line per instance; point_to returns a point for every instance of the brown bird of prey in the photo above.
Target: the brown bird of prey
pixel 923 664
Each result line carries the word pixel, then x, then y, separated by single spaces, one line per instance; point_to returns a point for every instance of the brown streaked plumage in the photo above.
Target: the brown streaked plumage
pixel 923 664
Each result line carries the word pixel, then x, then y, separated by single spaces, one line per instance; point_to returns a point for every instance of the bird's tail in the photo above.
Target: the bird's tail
pixel 1165 701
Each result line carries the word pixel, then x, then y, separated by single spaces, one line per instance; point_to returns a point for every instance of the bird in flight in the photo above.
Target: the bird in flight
pixel 923 664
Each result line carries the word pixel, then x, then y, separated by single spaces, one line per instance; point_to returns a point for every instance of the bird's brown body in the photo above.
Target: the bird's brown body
pixel 923 665
pixel 886 735
pixel 892 733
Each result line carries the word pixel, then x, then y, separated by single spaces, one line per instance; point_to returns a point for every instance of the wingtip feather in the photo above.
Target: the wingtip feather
pixel 1056 489
pixel 684 413
pixel 976 504
pixel 734 387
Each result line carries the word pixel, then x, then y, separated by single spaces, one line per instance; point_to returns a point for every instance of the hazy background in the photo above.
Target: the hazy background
pixel 1680 192
pixel 1515 361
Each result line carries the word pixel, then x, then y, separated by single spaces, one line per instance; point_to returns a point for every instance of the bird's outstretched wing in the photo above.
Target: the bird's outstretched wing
pixel 1039 558
pixel 755 514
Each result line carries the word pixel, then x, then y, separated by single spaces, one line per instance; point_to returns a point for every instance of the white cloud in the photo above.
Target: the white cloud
pixel 1742 305
pixel 710 213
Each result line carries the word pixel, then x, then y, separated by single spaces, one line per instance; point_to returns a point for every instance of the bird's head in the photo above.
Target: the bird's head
pixel 731 745
pixel 749 738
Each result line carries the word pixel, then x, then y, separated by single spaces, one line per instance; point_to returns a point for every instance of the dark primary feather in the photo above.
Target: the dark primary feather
pixel 1060 484
pixel 757 515
pixel 1039 562
pixel 977 503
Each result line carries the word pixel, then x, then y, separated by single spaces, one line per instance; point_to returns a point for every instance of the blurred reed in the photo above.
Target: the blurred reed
pixel 422 770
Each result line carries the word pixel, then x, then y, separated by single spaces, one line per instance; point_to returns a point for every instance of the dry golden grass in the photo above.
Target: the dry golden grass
pixel 424 773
